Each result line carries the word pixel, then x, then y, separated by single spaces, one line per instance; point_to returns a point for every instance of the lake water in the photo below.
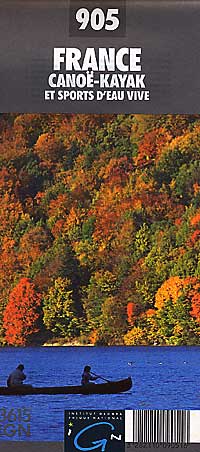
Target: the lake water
pixel 163 378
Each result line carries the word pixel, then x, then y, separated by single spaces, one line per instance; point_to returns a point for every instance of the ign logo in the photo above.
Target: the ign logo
pixel 103 431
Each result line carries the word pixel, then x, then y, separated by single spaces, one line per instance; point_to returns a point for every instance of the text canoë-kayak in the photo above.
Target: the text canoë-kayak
pixel 113 387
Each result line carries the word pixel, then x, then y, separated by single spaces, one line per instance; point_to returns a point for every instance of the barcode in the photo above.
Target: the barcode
pixel 157 426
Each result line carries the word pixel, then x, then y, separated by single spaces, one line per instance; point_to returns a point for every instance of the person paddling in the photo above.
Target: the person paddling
pixel 87 377
pixel 17 377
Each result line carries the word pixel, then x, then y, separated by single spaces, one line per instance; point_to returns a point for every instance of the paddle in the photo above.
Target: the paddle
pixel 99 376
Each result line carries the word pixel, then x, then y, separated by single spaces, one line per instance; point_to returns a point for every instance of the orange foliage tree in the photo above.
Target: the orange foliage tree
pixel 21 315
pixel 171 289
pixel 174 287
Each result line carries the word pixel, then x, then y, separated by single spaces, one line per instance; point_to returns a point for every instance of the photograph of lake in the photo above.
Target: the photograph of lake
pixel 163 378
pixel 99 266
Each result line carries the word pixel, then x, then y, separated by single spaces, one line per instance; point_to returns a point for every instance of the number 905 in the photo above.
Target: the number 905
pixel 98 19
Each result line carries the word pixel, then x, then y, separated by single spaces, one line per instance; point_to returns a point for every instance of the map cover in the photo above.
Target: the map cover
pixel 99 225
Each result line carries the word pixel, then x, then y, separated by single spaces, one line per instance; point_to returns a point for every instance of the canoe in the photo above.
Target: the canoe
pixel 113 387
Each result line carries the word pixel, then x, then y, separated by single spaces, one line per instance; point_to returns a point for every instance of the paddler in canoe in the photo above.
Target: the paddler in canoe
pixel 17 377
pixel 87 377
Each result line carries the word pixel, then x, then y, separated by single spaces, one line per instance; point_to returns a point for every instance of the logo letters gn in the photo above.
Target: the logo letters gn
pixel 101 443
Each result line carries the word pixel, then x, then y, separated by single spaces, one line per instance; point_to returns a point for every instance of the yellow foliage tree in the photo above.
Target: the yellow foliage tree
pixel 136 336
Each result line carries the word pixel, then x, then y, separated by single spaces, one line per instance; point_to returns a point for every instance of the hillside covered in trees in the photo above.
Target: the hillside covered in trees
pixel 100 229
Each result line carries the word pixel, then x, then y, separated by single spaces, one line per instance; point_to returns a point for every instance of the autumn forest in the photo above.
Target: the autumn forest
pixel 99 229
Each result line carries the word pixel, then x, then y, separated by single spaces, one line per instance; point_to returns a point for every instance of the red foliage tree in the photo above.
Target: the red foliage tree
pixel 151 145
pixel 21 315
pixel 131 308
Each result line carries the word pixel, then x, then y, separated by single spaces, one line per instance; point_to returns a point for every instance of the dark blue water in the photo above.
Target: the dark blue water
pixel 163 377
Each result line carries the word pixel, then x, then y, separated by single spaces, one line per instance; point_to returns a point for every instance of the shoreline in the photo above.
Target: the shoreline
pixel 66 344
